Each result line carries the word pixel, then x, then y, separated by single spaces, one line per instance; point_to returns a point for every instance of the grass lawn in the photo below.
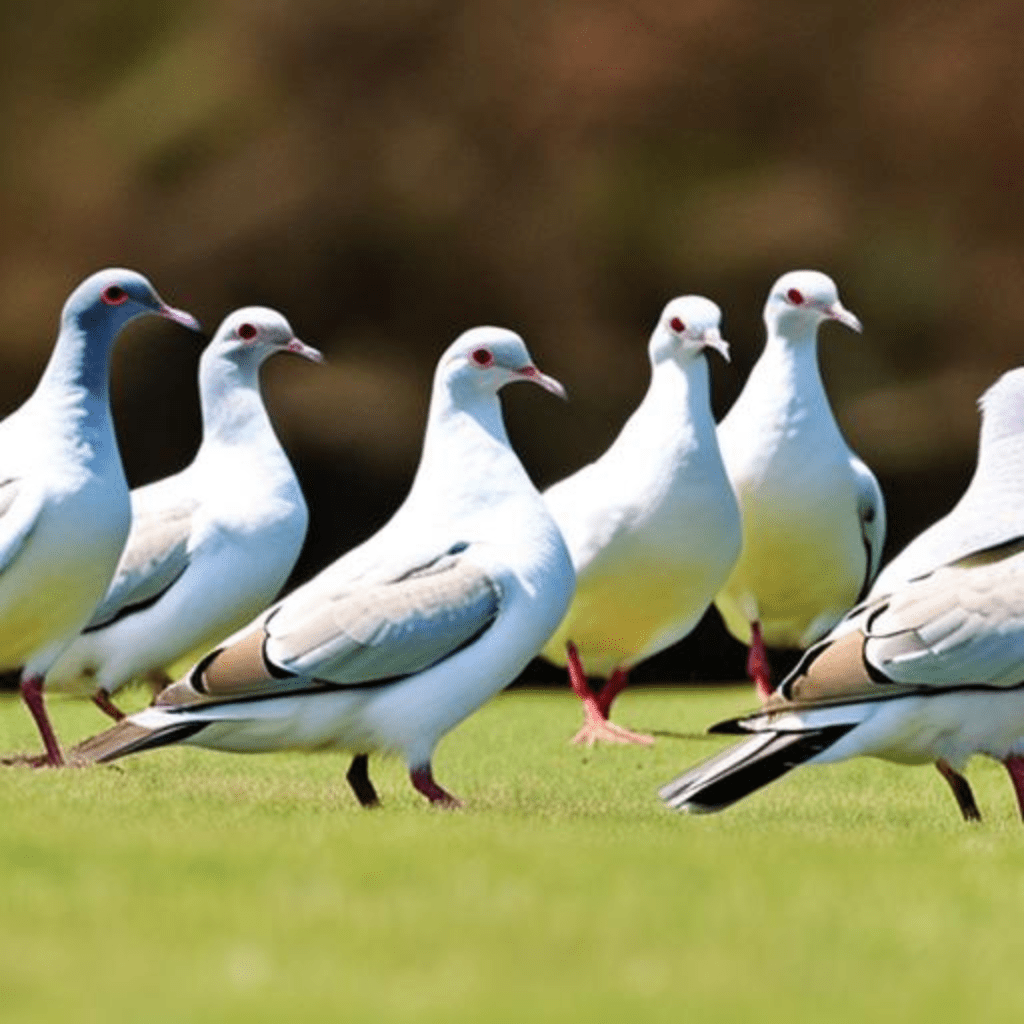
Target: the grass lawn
pixel 190 886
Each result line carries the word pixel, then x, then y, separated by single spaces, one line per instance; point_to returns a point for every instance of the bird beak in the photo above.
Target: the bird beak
pixel 531 373
pixel 837 311
pixel 300 348
pixel 711 338
pixel 179 316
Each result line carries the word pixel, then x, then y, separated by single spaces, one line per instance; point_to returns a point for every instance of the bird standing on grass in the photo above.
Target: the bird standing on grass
pixel 929 668
pixel 410 632
pixel 64 507
pixel 813 513
pixel 211 546
pixel 652 525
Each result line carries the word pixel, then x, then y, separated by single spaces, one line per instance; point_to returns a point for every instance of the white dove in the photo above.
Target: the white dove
pixel 210 546
pixel 399 640
pixel 813 513
pixel 64 507
pixel 652 525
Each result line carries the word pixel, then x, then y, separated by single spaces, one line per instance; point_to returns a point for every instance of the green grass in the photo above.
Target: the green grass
pixel 189 886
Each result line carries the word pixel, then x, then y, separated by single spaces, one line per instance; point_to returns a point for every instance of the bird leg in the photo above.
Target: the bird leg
pixel 102 700
pixel 359 779
pixel 32 694
pixel 596 725
pixel 961 790
pixel 1015 766
pixel 614 685
pixel 758 667
pixel 423 779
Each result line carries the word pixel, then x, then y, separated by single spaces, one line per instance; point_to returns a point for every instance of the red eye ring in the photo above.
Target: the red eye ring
pixel 677 325
pixel 482 356
pixel 795 296
pixel 114 295
pixel 247 332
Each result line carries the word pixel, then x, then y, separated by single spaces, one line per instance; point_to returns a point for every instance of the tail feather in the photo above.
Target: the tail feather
pixel 738 771
pixel 128 737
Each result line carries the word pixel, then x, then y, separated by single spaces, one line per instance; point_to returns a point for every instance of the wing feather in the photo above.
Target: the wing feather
pixel 358 636
pixel 155 557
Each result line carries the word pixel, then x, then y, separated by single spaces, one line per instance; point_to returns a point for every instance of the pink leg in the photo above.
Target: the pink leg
pixel 102 700
pixel 612 688
pixel 423 779
pixel 758 667
pixel 1015 766
pixel 32 694
pixel 596 725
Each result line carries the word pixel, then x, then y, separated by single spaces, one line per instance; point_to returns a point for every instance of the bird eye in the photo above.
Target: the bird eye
pixel 247 332
pixel 677 325
pixel 795 296
pixel 482 356
pixel 114 295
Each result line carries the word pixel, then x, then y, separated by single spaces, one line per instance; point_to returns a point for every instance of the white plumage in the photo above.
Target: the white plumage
pixel 64 507
pixel 399 640
pixel 652 525
pixel 210 546
pixel 813 513
pixel 929 668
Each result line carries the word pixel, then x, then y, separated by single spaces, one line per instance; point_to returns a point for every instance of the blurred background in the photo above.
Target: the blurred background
pixel 390 173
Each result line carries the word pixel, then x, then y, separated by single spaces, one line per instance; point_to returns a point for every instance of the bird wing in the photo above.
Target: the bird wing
pixel 21 504
pixel 959 626
pixel 871 513
pixel 154 559
pixel 323 637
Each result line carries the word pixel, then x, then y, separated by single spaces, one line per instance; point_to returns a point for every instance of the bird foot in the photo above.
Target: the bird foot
pixel 29 760
pixel 602 730
pixel 423 780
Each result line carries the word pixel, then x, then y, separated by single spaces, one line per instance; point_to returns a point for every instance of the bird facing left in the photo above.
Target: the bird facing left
pixel 64 507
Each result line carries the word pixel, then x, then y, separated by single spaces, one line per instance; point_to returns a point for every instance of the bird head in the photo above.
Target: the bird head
pixel 800 300
pixel 109 299
pixel 487 358
pixel 687 327
pixel 260 332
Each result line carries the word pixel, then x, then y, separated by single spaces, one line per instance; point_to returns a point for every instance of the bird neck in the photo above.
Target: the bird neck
pixel 681 394
pixel 466 456
pixel 230 400
pixel 79 367
pixel 788 371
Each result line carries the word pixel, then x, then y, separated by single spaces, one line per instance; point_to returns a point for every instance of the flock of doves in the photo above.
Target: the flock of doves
pixel 768 514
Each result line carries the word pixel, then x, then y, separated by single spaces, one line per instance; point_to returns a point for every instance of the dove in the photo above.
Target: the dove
pixel 813 513
pixel 210 546
pixel 407 634
pixel 64 503
pixel 653 525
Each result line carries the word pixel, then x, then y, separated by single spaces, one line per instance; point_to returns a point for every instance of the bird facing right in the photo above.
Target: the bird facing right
pixel 64 506
pixel 400 639
pixel 210 546
pixel 813 513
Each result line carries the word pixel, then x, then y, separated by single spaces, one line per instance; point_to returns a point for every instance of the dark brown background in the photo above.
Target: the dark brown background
pixel 388 174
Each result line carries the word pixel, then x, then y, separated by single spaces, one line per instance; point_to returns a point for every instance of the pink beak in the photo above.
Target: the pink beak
pixel 300 348
pixel 179 316
pixel 531 373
